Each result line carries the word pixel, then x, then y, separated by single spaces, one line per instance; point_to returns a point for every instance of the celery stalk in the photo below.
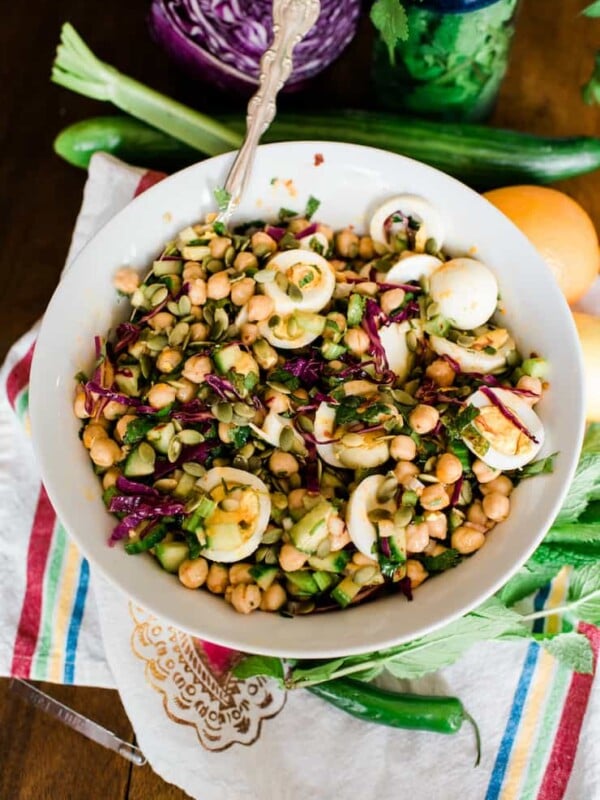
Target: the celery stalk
pixel 77 68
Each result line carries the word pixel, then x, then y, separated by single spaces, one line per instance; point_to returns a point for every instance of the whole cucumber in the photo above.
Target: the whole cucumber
pixel 480 156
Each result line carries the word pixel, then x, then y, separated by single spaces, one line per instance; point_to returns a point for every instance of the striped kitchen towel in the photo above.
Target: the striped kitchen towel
pixel 59 623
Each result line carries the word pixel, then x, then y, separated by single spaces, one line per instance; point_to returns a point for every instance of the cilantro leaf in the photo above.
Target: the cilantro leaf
pixel 250 666
pixel 571 649
pixel 389 18
pixel 239 436
pixel 219 228
pixel 286 378
pixel 137 429
pixel 455 424
pixel 446 560
pixel 312 204
pixel 286 213
pixel 222 198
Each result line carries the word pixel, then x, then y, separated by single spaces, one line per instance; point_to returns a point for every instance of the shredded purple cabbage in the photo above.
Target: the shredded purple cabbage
pixel 453 363
pixel 222 41
pixel 135 487
pixel 456 491
pixel 405 587
pixel 410 311
pixel 373 315
pixel 193 411
pixel 95 388
pixel 194 452
pixel 506 412
pixel 307 369
pixel 275 232
pixel 385 546
pixel 311 469
pixel 222 387
pixel 155 310
pixel 127 333
pixel 308 231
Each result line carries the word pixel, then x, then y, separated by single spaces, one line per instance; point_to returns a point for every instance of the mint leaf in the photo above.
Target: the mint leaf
pixel 527 581
pixel 269 666
pixel 574 533
pixel 584 594
pixel 222 198
pixel 312 204
pixel 543 466
pixel 572 555
pixel 137 429
pixel 593 10
pixel 389 18
pixel 586 483
pixel 571 649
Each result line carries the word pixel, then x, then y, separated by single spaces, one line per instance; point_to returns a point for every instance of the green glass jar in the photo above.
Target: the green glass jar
pixel 452 64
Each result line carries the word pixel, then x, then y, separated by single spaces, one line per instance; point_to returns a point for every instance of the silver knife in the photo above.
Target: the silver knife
pixel 87 727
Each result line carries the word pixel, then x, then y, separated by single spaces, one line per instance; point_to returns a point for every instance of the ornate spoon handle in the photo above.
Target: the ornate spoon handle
pixel 292 19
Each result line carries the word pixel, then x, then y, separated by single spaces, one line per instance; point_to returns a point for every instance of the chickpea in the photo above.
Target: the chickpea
pixel 361 560
pixel 476 514
pixel 326 231
pixel 483 473
pixel 296 499
pixel 126 280
pixel 338 533
pixel 199 332
pixel 434 497
pixel 169 359
pixel 244 261
pixel 218 579
pixel 249 333
pixel 161 321
pixel 417 537
pixel 224 432
pixel 357 341
pixel 283 464
pixel 186 390
pixel 191 271
pixel 530 384
pixel 242 291
pixel 79 405
pixel 467 540
pixel 193 572
pixel 218 286
pixel 366 250
pixel 403 448
pixel 92 433
pixel 273 598
pixel 260 307
pixel 121 426
pixel 262 244
pixel 448 468
pixel 161 395
pixel 104 452
pixel 496 506
pixel 416 573
pixel 245 598
pixel 346 243
pixel 391 300
pixel 297 225
pixel 196 368
pixel 405 471
pixel 113 410
pixel 276 401
pixel 423 419
pixel 441 372
pixel 218 246
pixel 290 558
pixel 197 291
pixel 501 484
pixel 109 479
pixel 240 573
pixel 437 524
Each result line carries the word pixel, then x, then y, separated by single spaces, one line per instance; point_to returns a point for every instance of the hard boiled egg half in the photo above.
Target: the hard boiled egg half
pixel 466 292
pixel 393 338
pixel 235 527
pixel 345 449
pixel 404 214
pixel 495 438
pixel 476 359
pixel 294 330
pixel 412 268
pixel 307 285
pixel 362 501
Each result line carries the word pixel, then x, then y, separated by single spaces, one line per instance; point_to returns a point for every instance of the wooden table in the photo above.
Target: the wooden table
pixel 552 56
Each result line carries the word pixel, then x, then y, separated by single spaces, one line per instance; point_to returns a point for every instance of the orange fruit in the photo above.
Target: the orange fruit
pixel 560 230
pixel 588 328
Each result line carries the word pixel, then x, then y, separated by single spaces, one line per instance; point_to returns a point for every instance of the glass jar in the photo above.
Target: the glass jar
pixel 452 63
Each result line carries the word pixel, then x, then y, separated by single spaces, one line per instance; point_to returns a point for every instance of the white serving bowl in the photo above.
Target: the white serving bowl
pixel 350 182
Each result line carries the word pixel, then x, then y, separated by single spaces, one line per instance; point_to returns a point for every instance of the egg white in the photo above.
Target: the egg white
pixel 466 292
pixel 372 452
pixel 473 360
pixel 412 268
pixel 363 500
pixel 411 205
pixel 315 295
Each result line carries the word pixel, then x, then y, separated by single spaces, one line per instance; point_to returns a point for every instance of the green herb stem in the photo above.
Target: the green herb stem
pixel 77 68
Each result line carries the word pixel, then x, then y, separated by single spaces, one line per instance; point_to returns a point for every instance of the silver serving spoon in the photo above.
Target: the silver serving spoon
pixel 292 19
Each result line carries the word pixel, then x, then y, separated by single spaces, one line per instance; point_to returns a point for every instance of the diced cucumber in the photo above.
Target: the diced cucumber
pixel 195 521
pixel 301 582
pixel 140 461
pixel 185 485
pixel 224 536
pixel 232 357
pixel 330 350
pixel 345 592
pixel 171 554
pixel 264 575
pixel 334 562
pixel 535 368
pixel 311 322
pixel 160 436
pixel 308 533
pixel 127 379
pixel 397 544
pixel 356 310
pixel 156 535
pixel 167 267
pixel 324 580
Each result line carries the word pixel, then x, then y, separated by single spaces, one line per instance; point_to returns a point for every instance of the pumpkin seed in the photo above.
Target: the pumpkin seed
pixel 364 575
pixel 404 398
pixel 229 255
pixel 157 342
pixel 221 462
pixel 412 341
pixel 388 489
pixel 271 556
pixel 194 469
pixel 281 281
pixel 184 306
pixel 431 246
pixel 222 411
pixel 208 313
pixel 425 478
pixel 300 607
pixel 286 438
pixel 352 440
pixel 324 548
pixel 146 365
pixel 165 485
pixel 146 453
pixel 274 321
pixel 173 307
pixel 378 515
pixel 464 340
pixel 403 516
pixel 429 464
pixel 254 464
pixel 230 504
pixel 189 436
pixel 305 423
pixel 466 494
pixel 159 296
pixel 244 411
pixel 272 535
pixel 174 449
pixel 214 265
pixel 247 450
pixel 294 293
pixel 433 309
pixel 239 462
pixel 179 333
pixel 261 553
pixel 279 500
pixel 293 327
pixel 265 276
pixel 295 481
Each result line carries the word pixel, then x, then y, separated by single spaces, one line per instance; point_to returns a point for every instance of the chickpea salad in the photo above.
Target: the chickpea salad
pixel 297 418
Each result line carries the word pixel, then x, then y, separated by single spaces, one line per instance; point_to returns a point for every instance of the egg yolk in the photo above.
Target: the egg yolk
pixel 499 431
pixel 303 275
pixel 238 506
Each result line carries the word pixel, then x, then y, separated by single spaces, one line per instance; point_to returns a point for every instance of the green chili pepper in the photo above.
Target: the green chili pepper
pixel 416 712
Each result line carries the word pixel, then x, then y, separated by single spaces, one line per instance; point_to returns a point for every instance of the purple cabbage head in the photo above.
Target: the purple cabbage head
pixel 221 41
